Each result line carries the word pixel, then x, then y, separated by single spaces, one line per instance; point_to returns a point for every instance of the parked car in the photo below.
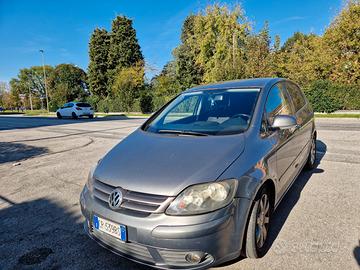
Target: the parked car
pixel 75 110
pixel 196 185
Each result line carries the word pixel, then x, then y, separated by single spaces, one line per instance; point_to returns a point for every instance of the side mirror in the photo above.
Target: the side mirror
pixel 284 122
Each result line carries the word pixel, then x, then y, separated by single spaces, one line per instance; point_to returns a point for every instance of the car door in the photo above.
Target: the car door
pixel 303 119
pixel 278 103
pixel 68 109
pixel 62 110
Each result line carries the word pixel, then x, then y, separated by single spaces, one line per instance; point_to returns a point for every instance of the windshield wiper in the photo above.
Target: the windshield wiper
pixel 182 132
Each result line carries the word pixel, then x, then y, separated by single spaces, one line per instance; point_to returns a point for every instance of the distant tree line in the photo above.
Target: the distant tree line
pixel 65 82
pixel 217 44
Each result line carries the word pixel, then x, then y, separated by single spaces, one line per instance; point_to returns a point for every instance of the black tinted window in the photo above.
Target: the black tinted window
pixel 296 95
pixel 83 105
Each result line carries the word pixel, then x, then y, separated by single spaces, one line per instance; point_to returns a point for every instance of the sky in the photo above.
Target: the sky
pixel 62 28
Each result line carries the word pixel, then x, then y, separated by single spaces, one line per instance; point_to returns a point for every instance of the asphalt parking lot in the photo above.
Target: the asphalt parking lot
pixel 44 163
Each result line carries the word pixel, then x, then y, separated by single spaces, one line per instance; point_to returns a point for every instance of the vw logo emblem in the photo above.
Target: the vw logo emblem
pixel 115 198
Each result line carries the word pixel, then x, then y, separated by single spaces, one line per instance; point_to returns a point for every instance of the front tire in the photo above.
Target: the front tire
pixel 58 115
pixel 91 116
pixel 74 115
pixel 259 225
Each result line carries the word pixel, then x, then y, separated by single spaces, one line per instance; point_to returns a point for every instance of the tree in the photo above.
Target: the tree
pixel 188 72
pixel 300 59
pixel 67 82
pixel 30 81
pixel 259 62
pixel 98 66
pixel 165 85
pixel 15 91
pixel 342 45
pixel 128 82
pixel 221 35
pixel 124 49
pixel 4 91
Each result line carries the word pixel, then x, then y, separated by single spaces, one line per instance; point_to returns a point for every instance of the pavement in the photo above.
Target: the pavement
pixel 44 164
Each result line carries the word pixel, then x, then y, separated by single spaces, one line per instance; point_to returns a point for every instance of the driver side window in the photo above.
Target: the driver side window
pixel 277 103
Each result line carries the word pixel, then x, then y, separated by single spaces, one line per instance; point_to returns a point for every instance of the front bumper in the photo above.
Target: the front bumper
pixel 162 241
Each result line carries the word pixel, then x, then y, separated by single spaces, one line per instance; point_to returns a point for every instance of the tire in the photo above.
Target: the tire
pixel 311 160
pixel 58 115
pixel 74 116
pixel 91 116
pixel 257 240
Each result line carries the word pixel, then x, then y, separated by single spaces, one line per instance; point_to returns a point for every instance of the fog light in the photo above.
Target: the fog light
pixel 194 257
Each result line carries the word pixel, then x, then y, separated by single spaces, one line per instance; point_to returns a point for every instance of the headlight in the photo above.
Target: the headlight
pixel 203 198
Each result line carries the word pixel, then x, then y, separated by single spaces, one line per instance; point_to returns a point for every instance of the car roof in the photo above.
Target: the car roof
pixel 250 83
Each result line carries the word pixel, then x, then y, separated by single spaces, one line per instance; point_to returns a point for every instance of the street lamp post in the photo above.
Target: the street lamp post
pixel 46 93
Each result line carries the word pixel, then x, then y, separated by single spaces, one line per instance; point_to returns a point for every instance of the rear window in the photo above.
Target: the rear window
pixel 83 104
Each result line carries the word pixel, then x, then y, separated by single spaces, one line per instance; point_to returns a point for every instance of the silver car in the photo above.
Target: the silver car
pixel 197 183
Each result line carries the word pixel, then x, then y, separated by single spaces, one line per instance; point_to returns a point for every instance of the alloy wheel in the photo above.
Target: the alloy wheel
pixel 262 220
pixel 313 152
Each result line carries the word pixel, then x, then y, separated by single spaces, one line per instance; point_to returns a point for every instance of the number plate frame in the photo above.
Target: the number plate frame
pixel 116 230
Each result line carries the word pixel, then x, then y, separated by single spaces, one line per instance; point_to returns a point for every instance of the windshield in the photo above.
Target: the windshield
pixel 212 112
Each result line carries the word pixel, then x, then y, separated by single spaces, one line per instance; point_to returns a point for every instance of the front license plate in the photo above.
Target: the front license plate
pixel 109 227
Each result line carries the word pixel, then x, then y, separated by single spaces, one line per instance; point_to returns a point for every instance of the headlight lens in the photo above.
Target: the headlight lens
pixel 203 198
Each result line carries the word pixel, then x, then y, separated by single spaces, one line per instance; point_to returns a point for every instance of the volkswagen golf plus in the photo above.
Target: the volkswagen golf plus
pixel 197 183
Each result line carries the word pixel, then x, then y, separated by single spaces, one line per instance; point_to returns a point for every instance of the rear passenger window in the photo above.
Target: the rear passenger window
pixel 277 103
pixel 296 95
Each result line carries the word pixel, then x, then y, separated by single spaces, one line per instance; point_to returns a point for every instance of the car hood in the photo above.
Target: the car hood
pixel 166 164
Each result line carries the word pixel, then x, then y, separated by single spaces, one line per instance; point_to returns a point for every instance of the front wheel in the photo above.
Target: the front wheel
pixel 259 225
pixel 91 116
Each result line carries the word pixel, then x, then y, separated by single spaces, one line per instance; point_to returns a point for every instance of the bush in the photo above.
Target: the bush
pixel 146 103
pixel 326 96
pixel 321 95
pixel 93 100
pixel 103 105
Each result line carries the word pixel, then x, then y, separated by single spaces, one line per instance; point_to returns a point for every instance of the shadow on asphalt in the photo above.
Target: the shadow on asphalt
pixel 357 253
pixel 23 122
pixel 45 234
pixel 290 199
pixel 17 151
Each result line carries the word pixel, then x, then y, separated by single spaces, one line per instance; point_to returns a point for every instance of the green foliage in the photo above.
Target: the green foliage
pixel 165 86
pixel 67 82
pixel 98 66
pixel 184 68
pixel 104 105
pixel 321 94
pixel 259 61
pixel 127 84
pixel 342 45
pixel 146 102
pixel 124 50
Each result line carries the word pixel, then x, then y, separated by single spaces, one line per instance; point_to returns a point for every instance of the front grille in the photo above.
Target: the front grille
pixel 134 201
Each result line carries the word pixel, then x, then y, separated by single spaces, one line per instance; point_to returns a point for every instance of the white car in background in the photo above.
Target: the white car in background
pixel 75 110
